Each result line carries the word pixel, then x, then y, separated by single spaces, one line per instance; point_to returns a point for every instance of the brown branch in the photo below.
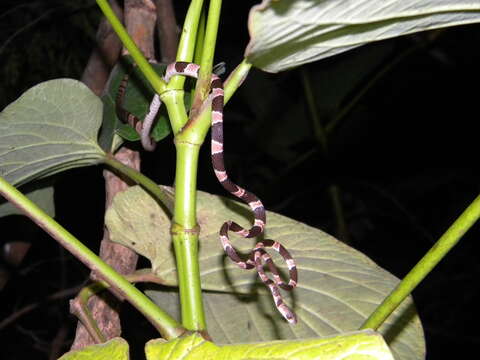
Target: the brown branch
pixel 140 20
pixel 79 305
pixel 168 30
pixel 104 308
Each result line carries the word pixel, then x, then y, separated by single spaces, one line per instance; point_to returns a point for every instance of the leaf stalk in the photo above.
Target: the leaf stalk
pixel 168 327
pixel 441 248
pixel 164 198
pixel 156 81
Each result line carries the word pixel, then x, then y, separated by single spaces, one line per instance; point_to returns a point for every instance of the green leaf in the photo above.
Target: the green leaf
pixel 114 349
pixel 127 132
pixel 52 127
pixel 338 286
pixel 289 33
pixel 138 96
pixel 361 345
pixel 107 135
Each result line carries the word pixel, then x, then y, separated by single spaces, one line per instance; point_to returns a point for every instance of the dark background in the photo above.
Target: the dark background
pixel 405 161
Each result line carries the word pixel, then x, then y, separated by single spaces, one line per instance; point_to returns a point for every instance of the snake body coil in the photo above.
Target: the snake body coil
pixel 258 256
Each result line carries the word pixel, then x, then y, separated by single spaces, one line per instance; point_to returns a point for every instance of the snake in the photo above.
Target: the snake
pixel 258 256
pixel 144 127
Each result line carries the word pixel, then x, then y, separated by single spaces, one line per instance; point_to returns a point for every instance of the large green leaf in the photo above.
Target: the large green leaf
pixel 114 349
pixel 338 286
pixel 289 33
pixel 365 345
pixel 52 127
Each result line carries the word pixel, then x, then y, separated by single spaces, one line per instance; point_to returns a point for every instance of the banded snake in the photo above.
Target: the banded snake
pixel 258 255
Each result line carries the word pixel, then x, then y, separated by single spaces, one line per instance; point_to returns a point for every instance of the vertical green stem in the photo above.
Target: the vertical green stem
pixel 197 56
pixel 448 240
pixel 174 102
pixel 206 63
pixel 186 250
pixel 185 229
pixel 186 44
pixel 185 184
pixel 185 233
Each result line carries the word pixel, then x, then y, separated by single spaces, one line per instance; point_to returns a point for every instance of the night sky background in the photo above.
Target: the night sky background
pixel 404 158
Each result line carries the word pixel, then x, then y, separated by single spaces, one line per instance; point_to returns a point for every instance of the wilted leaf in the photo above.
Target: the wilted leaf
pixel 338 286
pixel 289 33
pixel 365 345
pixel 52 127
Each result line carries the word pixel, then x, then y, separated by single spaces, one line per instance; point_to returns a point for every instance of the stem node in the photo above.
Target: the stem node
pixel 178 229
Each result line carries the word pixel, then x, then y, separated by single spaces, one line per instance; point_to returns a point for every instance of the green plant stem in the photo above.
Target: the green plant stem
pixel 166 325
pixel 197 56
pixel 186 47
pixel 185 184
pixel 211 31
pixel 446 242
pixel 186 251
pixel 236 79
pixel 186 44
pixel 156 81
pixel 174 101
pixel 185 233
pixel 79 308
pixel 206 63
pixel 156 191
pixel 185 229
